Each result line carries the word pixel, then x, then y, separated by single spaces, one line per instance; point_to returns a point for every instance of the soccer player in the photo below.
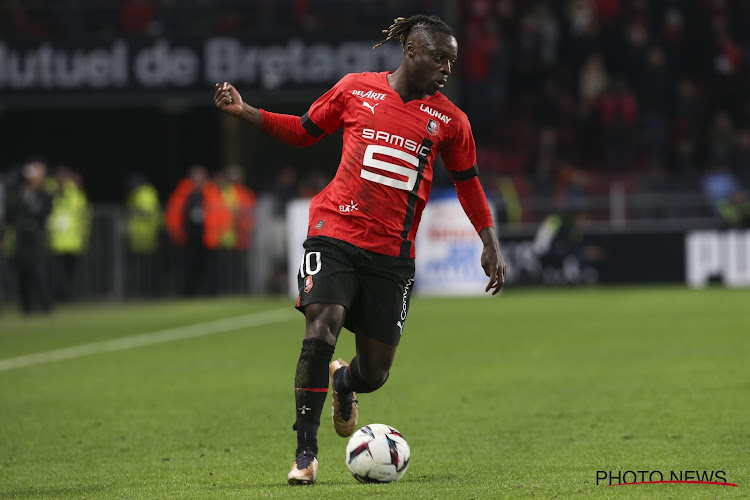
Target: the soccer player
pixel 358 267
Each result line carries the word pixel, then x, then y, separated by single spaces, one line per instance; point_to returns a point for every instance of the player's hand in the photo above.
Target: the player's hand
pixel 228 99
pixel 493 262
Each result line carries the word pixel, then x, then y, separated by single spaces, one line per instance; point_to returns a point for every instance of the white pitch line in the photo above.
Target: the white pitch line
pixel 150 338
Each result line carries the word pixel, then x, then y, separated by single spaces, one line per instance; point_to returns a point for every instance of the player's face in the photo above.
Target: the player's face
pixel 432 59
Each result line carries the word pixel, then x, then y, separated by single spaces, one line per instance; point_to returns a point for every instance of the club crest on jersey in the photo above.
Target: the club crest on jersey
pixel 432 127
pixel 308 284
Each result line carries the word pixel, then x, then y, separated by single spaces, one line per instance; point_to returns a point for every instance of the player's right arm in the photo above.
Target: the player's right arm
pixel 229 100
pixel 460 157
pixel 289 129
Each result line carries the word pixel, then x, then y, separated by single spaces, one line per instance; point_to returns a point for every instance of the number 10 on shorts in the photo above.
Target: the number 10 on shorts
pixel 310 264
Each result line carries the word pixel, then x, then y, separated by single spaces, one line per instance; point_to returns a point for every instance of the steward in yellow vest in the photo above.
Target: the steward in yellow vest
pixel 68 228
pixel 235 240
pixel 144 217
pixel 145 220
pixel 69 221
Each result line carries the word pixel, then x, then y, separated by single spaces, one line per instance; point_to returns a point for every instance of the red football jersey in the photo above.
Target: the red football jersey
pixel 383 182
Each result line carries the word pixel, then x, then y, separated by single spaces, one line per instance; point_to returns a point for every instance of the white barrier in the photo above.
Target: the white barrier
pixel 448 252
pixel 717 254
pixel 296 233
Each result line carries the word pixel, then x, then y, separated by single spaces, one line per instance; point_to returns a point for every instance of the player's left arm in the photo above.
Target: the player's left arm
pixel 459 156
pixel 474 202
pixel 493 262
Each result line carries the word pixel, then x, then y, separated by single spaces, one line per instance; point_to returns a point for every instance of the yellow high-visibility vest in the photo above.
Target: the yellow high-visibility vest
pixel 229 236
pixel 144 219
pixel 69 221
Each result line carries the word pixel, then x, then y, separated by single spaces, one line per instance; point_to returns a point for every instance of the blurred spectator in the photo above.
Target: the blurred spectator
pixel 314 183
pixel 482 86
pixel 646 47
pixel 684 158
pixel 727 64
pixel 28 209
pixel 684 63
pixel 196 219
pixel 632 52
pixel 592 83
pixel 529 54
pixel 226 257
pixel 655 91
pixel 69 224
pixel 243 220
pixel 546 160
pixel 284 189
pixel 580 16
pixel 741 157
pixel 548 108
pixel 719 185
pixel 7 16
pixel 572 186
pixel 594 79
pixel 71 18
pixel 618 116
pixel 689 114
pixel 555 114
pixel 144 227
pixel 235 242
pixel 607 11
pixel 675 37
pixel 34 18
pixel 558 243
pixel 231 18
pixel 735 210
pixel 303 14
pixel 138 17
pixel 721 147
pixel 243 213
pixel 583 33
pixel 549 33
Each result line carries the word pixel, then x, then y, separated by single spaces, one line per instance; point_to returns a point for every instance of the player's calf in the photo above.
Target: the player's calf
pixel 310 391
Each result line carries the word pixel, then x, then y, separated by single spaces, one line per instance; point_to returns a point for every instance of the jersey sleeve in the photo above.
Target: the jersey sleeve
pixel 326 115
pixel 460 153
pixel 460 157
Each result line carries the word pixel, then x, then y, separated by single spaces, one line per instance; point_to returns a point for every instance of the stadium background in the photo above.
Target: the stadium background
pixel 159 396
pixel 634 113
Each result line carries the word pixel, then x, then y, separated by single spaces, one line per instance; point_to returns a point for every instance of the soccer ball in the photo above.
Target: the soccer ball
pixel 377 453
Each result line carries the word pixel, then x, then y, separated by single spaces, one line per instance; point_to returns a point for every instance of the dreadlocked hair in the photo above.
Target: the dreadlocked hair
pixel 402 26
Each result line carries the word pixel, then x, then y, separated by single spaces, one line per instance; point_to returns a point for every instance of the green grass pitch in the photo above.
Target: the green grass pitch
pixel 524 395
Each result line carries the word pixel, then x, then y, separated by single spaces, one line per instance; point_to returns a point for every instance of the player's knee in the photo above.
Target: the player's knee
pixel 321 329
pixel 323 323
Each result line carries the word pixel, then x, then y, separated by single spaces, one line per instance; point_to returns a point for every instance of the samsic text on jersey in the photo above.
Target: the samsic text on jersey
pixel 376 198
